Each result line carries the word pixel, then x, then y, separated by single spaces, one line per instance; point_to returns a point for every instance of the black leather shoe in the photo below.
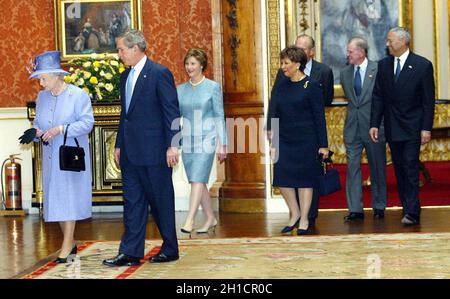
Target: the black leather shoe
pixel 301 232
pixel 162 258
pixel 354 216
pixel 63 260
pixel 312 222
pixel 122 260
pixel 288 229
pixel 378 214
pixel 410 220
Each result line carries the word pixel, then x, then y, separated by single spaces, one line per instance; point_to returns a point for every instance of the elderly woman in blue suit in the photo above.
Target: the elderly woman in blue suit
pixel 203 134
pixel 62 107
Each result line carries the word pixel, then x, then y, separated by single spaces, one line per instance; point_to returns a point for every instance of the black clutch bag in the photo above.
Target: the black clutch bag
pixel 329 181
pixel 71 158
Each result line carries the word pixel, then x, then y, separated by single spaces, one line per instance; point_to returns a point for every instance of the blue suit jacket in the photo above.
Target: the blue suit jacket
pixel 145 133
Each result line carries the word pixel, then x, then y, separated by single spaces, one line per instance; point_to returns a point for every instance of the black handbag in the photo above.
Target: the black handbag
pixel 71 158
pixel 329 181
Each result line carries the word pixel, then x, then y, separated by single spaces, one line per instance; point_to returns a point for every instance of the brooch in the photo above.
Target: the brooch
pixel 306 85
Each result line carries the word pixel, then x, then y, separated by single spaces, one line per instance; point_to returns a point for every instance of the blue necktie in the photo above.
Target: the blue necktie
pixel 397 70
pixel 129 89
pixel 358 83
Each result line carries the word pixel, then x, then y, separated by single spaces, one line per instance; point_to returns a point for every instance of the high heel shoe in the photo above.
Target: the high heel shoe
pixel 63 260
pixel 301 232
pixel 207 229
pixel 186 231
pixel 288 229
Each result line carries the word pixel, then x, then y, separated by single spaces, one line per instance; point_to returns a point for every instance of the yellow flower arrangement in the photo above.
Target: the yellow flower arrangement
pixel 98 75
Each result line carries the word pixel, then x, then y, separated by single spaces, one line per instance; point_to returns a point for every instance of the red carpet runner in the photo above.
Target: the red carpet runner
pixel 436 193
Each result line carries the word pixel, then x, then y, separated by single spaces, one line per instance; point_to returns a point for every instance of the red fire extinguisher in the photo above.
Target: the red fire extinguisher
pixel 12 194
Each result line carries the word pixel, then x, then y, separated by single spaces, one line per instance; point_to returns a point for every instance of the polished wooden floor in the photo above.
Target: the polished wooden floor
pixel 25 241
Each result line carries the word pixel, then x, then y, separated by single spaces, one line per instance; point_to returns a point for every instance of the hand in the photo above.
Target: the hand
pixel 373 132
pixel 117 156
pixel 222 153
pixel 39 133
pixel 324 151
pixel 425 137
pixel 28 136
pixel 52 133
pixel 172 156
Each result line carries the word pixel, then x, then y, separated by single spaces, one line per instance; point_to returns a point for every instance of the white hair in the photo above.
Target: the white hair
pixel 402 33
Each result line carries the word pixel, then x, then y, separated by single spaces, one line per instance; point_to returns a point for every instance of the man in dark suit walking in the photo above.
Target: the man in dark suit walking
pixel 322 74
pixel 145 151
pixel 404 97
pixel 358 80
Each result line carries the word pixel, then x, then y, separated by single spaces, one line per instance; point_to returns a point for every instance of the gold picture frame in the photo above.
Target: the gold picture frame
pixel 83 27
pixel 404 17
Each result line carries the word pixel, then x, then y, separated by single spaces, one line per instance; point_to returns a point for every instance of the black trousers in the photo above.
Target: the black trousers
pixel 405 157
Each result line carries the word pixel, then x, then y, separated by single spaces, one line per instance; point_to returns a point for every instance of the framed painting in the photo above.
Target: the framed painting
pixel 338 21
pixel 83 27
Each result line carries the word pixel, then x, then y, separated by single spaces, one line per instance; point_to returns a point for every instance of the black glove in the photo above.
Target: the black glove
pixel 28 136
pixel 327 160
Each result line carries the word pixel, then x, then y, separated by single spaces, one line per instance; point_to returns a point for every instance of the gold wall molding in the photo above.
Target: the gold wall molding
pixel 436 23
pixel 274 46
pixel 304 12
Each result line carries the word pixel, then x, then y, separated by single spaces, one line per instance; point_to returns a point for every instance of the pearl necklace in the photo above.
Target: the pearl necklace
pixel 198 83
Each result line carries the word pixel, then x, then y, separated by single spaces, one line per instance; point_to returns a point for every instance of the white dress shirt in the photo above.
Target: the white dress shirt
pixel 137 70
pixel 403 58
pixel 308 68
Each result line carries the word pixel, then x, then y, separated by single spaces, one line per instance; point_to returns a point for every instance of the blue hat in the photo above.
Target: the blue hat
pixel 47 63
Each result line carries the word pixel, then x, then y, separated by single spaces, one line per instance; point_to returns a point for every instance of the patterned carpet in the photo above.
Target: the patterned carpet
pixel 344 256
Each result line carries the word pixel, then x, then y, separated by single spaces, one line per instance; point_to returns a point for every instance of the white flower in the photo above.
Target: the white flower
pixel 108 76
pixel 80 82
pixel 109 87
pixel 94 55
pixel 114 63
pixel 87 64
pixel 87 75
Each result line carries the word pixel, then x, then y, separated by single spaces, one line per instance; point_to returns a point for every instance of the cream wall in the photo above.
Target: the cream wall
pixel 13 121
pixel 431 39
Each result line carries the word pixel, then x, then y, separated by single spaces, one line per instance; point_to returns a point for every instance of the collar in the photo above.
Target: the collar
pixel 364 64
pixel 140 65
pixel 403 57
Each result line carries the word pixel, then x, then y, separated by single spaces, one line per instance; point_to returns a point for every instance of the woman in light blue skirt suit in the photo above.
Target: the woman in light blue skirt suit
pixel 204 133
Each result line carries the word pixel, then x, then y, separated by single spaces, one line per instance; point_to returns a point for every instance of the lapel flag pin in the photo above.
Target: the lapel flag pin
pixel 145 76
pixel 410 66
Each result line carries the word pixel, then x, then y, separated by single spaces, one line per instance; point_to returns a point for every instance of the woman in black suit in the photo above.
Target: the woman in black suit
pixel 302 135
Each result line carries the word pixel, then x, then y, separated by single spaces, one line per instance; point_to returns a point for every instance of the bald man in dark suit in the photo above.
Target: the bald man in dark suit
pixel 404 97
